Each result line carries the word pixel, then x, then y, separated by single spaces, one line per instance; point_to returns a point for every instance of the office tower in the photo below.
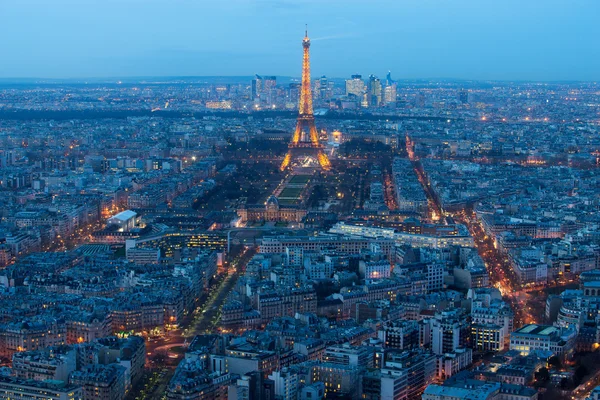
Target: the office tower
pixel 355 86
pixel 375 93
pixel 388 79
pixel 257 86
pixel 269 89
pixel 324 88
pixel 390 93
pixel 263 88
pixel 463 96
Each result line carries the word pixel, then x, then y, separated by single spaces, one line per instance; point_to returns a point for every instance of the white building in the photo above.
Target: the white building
pixel 286 384
pixel 125 220
pixel 450 364
pixel 463 239
pixel 488 337
pixel 373 270
pixel 532 337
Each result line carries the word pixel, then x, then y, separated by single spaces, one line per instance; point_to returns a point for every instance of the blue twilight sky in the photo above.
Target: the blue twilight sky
pixel 468 39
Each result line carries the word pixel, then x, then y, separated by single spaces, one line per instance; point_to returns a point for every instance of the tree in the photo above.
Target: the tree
pixel 542 375
pixel 159 358
pixel 564 383
pixel 318 193
pixel 580 372
pixel 555 362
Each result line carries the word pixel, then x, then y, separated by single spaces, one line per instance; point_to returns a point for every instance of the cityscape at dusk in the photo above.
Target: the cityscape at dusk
pixel 300 200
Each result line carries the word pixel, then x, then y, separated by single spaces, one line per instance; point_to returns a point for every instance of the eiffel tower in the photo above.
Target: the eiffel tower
pixel 305 127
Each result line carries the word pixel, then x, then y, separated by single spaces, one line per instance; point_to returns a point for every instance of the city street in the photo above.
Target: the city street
pixel 501 274
pixel 205 320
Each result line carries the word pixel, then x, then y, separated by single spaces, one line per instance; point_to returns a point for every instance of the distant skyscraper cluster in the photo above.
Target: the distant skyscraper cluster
pixel 373 93
pixel 264 89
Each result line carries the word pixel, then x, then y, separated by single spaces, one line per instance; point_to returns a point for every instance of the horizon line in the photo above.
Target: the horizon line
pixel 25 79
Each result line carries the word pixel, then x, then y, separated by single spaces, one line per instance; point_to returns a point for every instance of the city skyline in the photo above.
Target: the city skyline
pixel 262 236
pixel 429 40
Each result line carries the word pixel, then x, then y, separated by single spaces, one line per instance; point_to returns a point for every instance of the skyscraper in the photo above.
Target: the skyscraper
pixel 269 89
pixel 355 86
pixel 388 79
pixel 375 92
pixel 257 84
pixel 324 92
pixel 390 93
pixel 263 88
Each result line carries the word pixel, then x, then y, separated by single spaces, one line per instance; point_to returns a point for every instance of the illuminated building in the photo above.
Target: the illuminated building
pixel 125 220
pixel 355 86
pixel 85 327
pixel 101 381
pixel 32 334
pixel 219 105
pixel 263 88
pixel 373 270
pixel 169 242
pixel 286 384
pixel 324 88
pixel 375 92
pixel 488 337
pixel 531 337
pixel 335 138
pixel 257 84
pixel 438 238
pixel 19 388
pixel 271 211
pixel 55 363
pixel 306 120
pixel 339 380
pixel 390 93
pixel 269 84
pixel 340 244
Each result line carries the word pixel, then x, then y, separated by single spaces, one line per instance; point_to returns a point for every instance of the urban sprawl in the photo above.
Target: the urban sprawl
pixel 287 238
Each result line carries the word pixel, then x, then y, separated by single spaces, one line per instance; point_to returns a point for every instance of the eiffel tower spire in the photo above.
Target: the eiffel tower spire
pixel 306 118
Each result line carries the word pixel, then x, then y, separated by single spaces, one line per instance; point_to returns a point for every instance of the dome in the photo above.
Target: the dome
pixel 272 203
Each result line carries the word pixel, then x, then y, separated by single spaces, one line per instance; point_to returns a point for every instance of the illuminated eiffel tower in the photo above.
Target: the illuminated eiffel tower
pixel 305 127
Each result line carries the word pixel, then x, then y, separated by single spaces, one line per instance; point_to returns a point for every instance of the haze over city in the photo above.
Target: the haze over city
pixel 465 39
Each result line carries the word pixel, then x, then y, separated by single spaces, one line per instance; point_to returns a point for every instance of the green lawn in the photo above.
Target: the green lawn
pixel 288 202
pixel 300 179
pixel 289 192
